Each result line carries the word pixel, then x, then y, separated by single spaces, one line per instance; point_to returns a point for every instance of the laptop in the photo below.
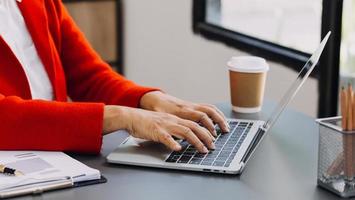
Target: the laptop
pixel 233 149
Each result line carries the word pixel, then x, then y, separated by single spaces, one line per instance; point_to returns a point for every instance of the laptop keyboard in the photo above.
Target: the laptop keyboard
pixel 227 146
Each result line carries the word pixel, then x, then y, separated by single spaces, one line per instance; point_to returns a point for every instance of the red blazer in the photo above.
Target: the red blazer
pixel 75 70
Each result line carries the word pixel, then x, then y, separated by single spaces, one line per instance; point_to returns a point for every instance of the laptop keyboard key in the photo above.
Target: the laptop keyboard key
pixel 188 153
pixel 221 160
pixel 184 145
pixel 171 160
pixel 199 155
pixel 195 161
pixel 222 157
pixel 212 155
pixel 218 130
pixel 184 159
pixel 207 162
pixel 218 163
pixel 176 153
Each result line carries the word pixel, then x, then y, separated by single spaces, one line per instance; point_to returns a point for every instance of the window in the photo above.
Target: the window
pixel 284 31
pixel 105 16
pixel 277 21
pixel 347 53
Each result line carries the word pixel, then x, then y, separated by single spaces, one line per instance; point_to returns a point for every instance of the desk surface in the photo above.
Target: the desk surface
pixel 283 167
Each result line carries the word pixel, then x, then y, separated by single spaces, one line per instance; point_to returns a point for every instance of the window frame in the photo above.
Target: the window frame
pixel 117 64
pixel 327 70
pixel 290 57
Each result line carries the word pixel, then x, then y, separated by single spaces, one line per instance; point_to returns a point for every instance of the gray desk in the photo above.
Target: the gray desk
pixel 283 167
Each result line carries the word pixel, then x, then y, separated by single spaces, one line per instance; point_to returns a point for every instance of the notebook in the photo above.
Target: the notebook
pixel 44 171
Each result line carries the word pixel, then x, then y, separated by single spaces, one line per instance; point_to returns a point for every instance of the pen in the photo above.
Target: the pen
pixel 9 171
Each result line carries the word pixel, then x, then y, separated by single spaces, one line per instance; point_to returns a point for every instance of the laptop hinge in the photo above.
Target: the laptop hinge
pixel 254 143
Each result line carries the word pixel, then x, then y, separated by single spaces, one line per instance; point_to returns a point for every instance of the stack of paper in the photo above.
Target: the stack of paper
pixel 42 171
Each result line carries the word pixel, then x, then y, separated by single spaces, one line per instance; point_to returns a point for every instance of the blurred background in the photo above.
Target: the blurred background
pixel 183 46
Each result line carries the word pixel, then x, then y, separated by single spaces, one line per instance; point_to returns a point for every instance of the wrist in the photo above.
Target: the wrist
pixel 150 100
pixel 116 118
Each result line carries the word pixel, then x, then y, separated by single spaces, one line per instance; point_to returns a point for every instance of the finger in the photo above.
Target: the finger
pixel 215 116
pixel 214 109
pixel 206 121
pixel 218 110
pixel 199 117
pixel 168 141
pixel 187 133
pixel 176 137
pixel 203 134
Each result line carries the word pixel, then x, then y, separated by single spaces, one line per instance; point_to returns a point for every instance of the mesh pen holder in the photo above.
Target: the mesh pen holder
pixel 336 157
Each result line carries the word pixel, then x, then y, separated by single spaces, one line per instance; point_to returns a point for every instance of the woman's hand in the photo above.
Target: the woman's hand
pixel 158 127
pixel 200 113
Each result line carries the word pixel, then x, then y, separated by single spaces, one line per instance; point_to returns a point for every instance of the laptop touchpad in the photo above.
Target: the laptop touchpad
pixel 140 150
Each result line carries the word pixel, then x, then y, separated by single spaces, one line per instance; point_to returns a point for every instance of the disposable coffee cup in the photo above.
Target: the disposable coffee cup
pixel 247 75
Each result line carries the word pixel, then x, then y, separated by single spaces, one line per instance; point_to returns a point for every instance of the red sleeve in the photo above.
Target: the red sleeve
pixel 54 126
pixel 89 78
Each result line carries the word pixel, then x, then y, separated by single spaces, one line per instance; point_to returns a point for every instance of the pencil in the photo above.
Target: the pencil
pixel 347 139
pixel 353 110
pixel 338 163
pixel 336 167
pixel 349 108
pixel 343 108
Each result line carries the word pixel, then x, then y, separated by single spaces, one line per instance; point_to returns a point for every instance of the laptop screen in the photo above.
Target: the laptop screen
pixel 297 84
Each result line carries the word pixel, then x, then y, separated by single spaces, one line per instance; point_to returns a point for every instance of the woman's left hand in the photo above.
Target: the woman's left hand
pixel 204 114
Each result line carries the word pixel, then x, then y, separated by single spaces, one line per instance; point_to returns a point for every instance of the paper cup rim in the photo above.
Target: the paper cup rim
pixel 248 64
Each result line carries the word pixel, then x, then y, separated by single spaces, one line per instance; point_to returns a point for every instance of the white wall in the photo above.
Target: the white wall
pixel 161 50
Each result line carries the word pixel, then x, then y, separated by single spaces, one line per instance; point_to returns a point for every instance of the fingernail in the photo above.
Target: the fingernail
pixel 213 139
pixel 214 133
pixel 177 147
pixel 228 128
pixel 213 146
pixel 204 150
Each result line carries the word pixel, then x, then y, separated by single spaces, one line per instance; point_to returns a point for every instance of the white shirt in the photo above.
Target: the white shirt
pixel 15 33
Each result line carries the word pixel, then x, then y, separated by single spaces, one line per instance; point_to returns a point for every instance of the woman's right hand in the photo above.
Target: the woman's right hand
pixel 157 127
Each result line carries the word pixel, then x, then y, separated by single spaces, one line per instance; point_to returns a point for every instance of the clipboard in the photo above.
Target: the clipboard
pixel 44 171
pixel 59 184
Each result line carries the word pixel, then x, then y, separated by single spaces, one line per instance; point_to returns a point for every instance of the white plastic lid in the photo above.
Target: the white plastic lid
pixel 248 64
